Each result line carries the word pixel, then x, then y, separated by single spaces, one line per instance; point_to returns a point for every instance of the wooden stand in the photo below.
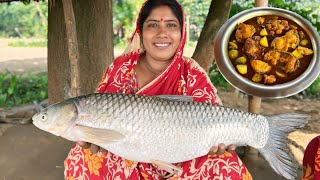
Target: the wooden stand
pixel 254 104
pixel 72 46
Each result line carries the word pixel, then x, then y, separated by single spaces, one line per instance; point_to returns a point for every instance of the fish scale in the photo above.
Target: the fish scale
pixel 165 123
pixel 170 129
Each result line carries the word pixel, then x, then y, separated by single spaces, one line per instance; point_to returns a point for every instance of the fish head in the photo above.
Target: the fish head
pixel 56 118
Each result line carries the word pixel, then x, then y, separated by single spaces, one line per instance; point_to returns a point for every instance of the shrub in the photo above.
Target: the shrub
pixel 313 91
pixel 216 78
pixel 22 89
pixel 22 43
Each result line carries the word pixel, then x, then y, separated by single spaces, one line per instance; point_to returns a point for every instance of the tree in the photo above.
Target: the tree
pixel 95 42
pixel 217 15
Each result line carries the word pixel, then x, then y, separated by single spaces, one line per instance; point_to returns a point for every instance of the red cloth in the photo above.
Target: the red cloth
pixel 311 160
pixel 183 76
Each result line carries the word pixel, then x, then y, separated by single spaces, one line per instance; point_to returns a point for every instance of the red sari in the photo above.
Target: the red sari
pixel 311 160
pixel 183 76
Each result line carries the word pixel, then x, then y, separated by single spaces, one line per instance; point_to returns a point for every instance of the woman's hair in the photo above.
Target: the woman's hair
pixel 152 4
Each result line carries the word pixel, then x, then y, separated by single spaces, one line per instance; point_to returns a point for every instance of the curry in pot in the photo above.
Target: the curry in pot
pixel 270 49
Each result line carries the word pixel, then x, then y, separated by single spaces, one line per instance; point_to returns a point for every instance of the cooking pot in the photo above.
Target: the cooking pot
pixel 255 89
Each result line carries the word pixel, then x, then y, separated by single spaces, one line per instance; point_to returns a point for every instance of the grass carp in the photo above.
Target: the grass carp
pixel 169 128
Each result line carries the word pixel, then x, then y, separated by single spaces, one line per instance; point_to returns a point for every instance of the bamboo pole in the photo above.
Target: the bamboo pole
pixel 43 18
pixel 72 46
pixel 261 3
pixel 254 104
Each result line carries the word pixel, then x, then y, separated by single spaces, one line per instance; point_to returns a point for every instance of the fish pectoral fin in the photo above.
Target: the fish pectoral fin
pixel 84 116
pixel 172 169
pixel 176 98
pixel 98 136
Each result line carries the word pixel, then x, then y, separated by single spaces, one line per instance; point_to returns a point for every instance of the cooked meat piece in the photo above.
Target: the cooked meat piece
pixel 291 63
pixel 277 26
pixel 304 50
pixel 301 34
pixel 269 79
pixel 244 31
pixel 272 56
pixel 260 20
pixel 290 39
pixel 260 67
pixel 252 47
pixel 286 60
pixel 280 43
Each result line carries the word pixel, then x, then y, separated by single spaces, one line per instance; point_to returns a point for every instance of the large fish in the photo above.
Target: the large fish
pixel 169 129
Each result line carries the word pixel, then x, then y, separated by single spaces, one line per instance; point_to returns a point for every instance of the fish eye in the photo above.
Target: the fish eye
pixel 43 117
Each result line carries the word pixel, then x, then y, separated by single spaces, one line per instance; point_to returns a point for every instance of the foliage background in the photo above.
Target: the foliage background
pixel 23 20
pixel 21 89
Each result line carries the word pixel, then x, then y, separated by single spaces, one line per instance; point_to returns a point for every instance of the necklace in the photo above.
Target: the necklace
pixel 149 67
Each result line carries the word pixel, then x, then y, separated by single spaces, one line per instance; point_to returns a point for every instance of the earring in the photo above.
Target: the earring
pixel 141 47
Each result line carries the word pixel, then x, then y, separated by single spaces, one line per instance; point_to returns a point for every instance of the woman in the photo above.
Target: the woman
pixel 311 160
pixel 151 65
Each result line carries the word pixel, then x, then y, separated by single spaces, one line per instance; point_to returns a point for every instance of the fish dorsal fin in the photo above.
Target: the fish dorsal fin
pixel 176 98
pixel 98 136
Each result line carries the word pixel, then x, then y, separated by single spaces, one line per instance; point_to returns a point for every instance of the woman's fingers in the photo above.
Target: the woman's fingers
pixel 83 144
pixel 213 150
pixel 217 150
pixel 94 148
pixel 231 148
pixel 221 149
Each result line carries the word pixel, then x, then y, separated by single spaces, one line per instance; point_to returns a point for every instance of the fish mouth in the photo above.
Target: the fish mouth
pixel 38 125
pixel 34 117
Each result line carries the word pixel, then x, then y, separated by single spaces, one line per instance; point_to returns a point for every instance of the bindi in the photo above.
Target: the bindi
pixel 161 19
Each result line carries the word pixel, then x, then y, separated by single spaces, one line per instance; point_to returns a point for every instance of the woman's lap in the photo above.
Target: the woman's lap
pixel 82 164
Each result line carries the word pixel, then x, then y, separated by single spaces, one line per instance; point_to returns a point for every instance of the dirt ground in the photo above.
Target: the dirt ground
pixel 27 153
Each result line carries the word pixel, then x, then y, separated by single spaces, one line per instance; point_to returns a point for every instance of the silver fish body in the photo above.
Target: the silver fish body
pixel 168 128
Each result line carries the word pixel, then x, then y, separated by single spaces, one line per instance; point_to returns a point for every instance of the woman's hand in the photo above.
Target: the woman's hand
pixel 222 149
pixel 93 148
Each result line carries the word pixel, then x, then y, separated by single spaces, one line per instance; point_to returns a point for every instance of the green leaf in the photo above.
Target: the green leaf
pixel 43 94
pixel 3 98
pixel 18 89
pixel 10 90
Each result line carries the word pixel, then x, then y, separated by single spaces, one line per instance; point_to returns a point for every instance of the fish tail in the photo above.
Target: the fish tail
pixel 277 151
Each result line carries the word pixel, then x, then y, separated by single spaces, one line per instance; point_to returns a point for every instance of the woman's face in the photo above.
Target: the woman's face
pixel 161 34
